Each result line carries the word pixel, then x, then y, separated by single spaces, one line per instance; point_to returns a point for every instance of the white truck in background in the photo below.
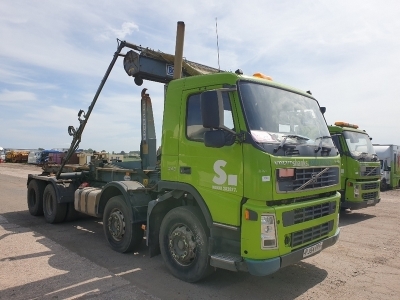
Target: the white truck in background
pixel 389 156
pixel 2 155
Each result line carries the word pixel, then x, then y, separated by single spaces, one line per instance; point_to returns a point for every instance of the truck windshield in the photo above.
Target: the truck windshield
pixel 359 144
pixel 276 116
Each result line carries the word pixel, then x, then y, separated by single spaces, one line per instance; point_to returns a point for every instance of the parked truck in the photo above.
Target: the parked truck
pixel 2 155
pixel 389 157
pixel 360 171
pixel 17 156
pixel 246 177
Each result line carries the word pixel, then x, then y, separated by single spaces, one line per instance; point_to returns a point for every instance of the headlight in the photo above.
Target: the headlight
pixel 268 232
pixel 356 190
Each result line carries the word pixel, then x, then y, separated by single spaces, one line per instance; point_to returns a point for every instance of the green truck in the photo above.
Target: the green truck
pixel 360 167
pixel 246 178
pixel 389 157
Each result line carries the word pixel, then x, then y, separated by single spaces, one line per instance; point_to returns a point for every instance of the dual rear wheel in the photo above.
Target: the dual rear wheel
pixel 42 200
pixel 35 198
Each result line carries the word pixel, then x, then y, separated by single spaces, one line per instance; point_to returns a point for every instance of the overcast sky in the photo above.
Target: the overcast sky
pixel 53 55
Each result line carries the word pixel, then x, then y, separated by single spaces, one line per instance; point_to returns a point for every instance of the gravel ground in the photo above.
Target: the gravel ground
pixel 19 170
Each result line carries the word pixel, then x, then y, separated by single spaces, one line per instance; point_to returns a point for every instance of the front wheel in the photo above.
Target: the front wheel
pixel 384 185
pixel 122 235
pixel 184 244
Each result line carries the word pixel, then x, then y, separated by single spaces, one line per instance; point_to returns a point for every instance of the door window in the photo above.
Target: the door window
pixel 194 124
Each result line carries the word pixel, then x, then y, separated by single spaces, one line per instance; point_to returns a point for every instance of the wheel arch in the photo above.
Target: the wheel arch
pixel 40 181
pixel 45 181
pixel 64 192
pixel 132 194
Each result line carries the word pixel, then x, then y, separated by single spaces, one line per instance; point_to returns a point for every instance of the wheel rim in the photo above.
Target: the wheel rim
pixel 49 204
pixel 32 198
pixel 116 224
pixel 182 245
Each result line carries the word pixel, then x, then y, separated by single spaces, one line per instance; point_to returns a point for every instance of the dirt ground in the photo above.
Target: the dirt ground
pixel 364 264
pixel 19 170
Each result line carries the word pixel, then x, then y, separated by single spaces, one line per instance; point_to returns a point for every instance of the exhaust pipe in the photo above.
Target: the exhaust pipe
pixel 180 35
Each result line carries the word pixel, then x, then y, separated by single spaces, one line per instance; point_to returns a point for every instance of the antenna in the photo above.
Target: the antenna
pixel 216 31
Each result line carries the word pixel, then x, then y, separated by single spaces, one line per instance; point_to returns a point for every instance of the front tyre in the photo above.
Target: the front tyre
pixel 184 244
pixel 53 211
pixel 384 185
pixel 121 234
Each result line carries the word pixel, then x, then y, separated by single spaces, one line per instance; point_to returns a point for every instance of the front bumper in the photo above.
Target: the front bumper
pixel 269 266
pixel 353 205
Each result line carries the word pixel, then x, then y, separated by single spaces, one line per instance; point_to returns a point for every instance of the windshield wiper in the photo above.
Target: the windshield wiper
pixel 320 143
pixel 292 136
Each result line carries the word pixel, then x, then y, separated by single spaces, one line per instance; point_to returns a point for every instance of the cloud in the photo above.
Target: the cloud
pixel 16 96
pixel 22 78
pixel 127 28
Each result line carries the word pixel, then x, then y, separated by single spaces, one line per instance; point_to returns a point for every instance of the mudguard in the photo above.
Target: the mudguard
pixel 134 194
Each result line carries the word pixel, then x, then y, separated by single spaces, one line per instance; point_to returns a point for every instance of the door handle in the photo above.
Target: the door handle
pixel 186 170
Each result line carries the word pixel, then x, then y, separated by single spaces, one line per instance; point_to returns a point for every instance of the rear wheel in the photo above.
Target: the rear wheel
pixel 54 212
pixel 184 244
pixel 35 197
pixel 121 234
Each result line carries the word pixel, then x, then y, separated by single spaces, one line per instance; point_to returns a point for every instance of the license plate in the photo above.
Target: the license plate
pixel 313 249
pixel 370 202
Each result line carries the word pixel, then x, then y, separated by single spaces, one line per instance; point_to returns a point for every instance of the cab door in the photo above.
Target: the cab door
pixel 216 173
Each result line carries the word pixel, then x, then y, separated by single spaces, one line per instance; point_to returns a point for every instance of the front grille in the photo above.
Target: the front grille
pixel 371 171
pixel 370 186
pixel 369 196
pixel 309 213
pixel 310 234
pixel 308 178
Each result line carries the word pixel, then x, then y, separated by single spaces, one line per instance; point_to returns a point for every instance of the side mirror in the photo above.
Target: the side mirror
pixel 322 109
pixel 218 138
pixel 389 168
pixel 214 139
pixel 212 109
